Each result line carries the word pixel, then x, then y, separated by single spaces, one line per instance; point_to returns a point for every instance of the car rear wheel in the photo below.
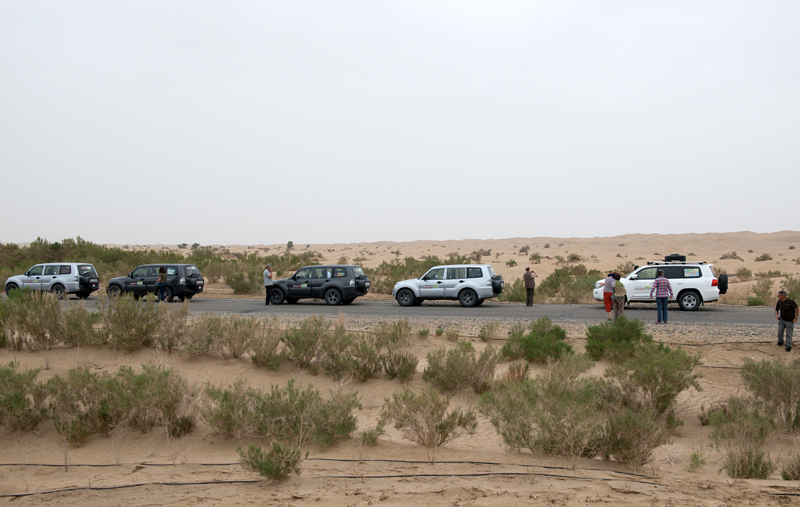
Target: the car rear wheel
pixel 480 302
pixel 333 297
pixel 406 298
pixel 689 300
pixel 276 296
pixel 113 291
pixel 11 287
pixel 168 294
pixel 58 291
pixel 292 301
pixel 468 298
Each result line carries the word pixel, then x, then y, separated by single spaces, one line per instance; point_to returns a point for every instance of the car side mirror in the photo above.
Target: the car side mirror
pixel 425 278
pixel 633 277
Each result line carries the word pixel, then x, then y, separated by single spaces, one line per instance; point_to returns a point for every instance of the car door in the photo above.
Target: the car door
pixel 676 280
pixel 454 281
pixel 640 283
pixel 33 278
pixel 320 279
pixel 431 284
pixel 49 277
pixel 300 284
pixel 151 279
pixel 135 283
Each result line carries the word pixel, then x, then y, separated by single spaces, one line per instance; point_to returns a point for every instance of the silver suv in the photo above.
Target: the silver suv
pixel 470 284
pixel 693 282
pixel 60 278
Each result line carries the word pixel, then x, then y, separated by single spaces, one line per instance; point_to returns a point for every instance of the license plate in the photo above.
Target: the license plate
pixel 94 280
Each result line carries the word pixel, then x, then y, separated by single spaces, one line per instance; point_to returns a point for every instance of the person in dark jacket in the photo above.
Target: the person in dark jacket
pixel 786 312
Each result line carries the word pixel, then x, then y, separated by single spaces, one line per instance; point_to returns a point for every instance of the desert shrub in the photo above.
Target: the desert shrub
pixel 292 414
pixel 277 464
pixel 423 418
pixel 452 335
pixel 235 336
pixel 514 292
pixel 731 255
pixel 630 437
pixel 79 327
pixel 511 263
pixel 439 331
pixel 792 286
pixel 655 375
pixel 763 257
pixel 743 274
pixel 391 334
pixel 128 324
pixel 535 258
pixel 264 342
pixel 158 397
pixel 740 430
pixel 573 258
pixel 573 283
pixel 776 384
pixel 615 340
pixel 791 470
pixel 245 281
pixel 460 367
pixel 303 340
pixel 762 288
pixel 696 462
pixel 200 337
pixel 489 331
pixel 543 342
pixel 21 398
pixel 517 372
pixel 171 326
pixel 214 271
pixel 366 357
pixel 755 301
pixel 772 273
pixel 423 333
pixel 400 365
pixel 34 320
pixel 555 413
pixel 625 268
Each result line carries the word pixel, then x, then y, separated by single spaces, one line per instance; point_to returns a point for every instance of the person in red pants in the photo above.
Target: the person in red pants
pixel 608 291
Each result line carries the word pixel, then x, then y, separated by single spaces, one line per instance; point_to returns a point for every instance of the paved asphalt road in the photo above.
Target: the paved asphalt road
pixel 710 314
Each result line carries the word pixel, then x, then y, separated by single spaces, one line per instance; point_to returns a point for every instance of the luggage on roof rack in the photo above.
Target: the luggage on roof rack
pixel 674 257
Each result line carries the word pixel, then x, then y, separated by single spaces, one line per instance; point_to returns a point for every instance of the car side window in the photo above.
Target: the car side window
pixel 456 273
pixel 140 271
pixel 50 270
pixel 303 273
pixel 35 271
pixel 647 274
pixel 436 274
pixel 339 272
pixel 65 270
pixel 673 272
pixel 320 273
pixel 153 271
pixel 172 270
pixel 474 273
pixel 691 273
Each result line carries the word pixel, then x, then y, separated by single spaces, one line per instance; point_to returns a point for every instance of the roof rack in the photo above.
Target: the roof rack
pixel 675 262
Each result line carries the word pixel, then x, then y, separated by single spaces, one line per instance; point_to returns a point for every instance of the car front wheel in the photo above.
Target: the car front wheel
pixel 333 297
pixel 276 296
pixel 11 287
pixel 405 297
pixel 58 291
pixel 689 301
pixel 113 291
pixel 468 298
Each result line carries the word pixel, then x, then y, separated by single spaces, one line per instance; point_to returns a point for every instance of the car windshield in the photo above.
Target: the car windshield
pixel 192 271
pixel 86 269
pixel 358 271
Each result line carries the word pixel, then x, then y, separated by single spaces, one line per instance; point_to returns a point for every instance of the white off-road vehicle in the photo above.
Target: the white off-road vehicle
pixel 693 282
pixel 470 284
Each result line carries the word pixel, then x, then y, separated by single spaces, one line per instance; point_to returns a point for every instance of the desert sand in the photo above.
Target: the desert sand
pixel 201 469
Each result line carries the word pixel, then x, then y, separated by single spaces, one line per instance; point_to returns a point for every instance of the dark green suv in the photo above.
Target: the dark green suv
pixel 338 284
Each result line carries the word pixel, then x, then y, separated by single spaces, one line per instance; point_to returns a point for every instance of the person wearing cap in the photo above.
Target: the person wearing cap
pixel 786 312
pixel 530 285
pixel 268 281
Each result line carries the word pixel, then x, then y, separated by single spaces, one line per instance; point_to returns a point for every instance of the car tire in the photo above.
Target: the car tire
pixel 276 296
pixel 723 284
pixel 689 300
pixel 406 298
pixel 468 298
pixel 418 302
pixel 168 294
pixel 333 297
pixel 58 291
pixel 113 291
pixel 292 301
pixel 480 302
pixel 11 287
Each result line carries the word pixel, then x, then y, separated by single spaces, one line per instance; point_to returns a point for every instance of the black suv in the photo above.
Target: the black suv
pixel 183 281
pixel 335 284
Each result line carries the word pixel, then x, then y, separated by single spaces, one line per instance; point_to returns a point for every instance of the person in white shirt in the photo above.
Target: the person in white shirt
pixel 268 281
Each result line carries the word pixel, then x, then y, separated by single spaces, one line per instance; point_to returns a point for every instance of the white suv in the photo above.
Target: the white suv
pixel 470 284
pixel 60 278
pixel 693 283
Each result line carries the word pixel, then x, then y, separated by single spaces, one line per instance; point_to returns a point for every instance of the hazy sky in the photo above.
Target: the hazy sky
pixel 349 121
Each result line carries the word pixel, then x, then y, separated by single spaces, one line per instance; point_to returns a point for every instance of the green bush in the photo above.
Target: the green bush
pixel 630 437
pixel 573 284
pixel 763 289
pixel 489 331
pixel 461 367
pixel 775 383
pixel 392 334
pixel 367 359
pixel 615 340
pixel 303 340
pixel 740 430
pixel 543 342
pixel 791 470
pixel 696 462
pixel 21 398
pixel 514 292
pixel 748 464
pixel 33 320
pixel 763 257
pixel 128 324
pixel 400 365
pixel 743 274
pixel 277 464
pixel 245 282
pixel 655 375
pixel 264 342
pixel 201 337
pixel 755 301
pixel 423 418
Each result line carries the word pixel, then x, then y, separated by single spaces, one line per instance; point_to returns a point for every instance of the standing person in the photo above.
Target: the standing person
pixel 530 285
pixel 162 283
pixel 618 299
pixel 786 312
pixel 663 291
pixel 268 282
pixel 608 291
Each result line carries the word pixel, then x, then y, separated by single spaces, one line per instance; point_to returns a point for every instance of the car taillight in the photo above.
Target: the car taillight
pixel 714 283
pixel 352 283
pixel 182 281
